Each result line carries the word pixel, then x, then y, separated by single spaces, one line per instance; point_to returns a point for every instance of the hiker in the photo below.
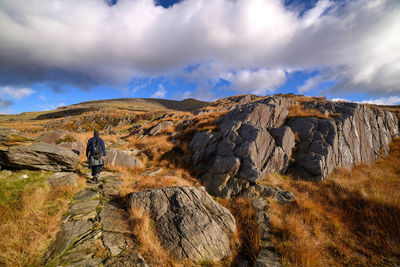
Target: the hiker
pixel 96 154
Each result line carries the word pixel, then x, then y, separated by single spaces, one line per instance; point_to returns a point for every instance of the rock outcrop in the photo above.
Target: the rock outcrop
pixel 244 147
pixel 258 137
pixel 63 139
pixel 122 158
pixel 39 156
pixel 189 223
pixel 357 134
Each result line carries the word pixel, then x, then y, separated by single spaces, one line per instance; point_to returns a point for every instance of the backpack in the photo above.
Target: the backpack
pixel 96 148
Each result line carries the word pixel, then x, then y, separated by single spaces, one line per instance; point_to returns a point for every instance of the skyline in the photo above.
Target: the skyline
pixel 56 53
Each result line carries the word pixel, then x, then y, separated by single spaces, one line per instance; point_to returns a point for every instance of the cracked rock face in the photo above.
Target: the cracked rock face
pixel 189 223
pixel 250 144
pixel 358 135
pixel 256 138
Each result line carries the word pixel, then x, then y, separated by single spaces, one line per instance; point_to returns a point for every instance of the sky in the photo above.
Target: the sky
pixel 60 52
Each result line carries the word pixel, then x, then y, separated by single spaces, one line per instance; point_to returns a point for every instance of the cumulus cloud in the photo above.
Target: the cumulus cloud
pixel 160 93
pixel 392 100
pixel 257 82
pixel 16 93
pixel 84 43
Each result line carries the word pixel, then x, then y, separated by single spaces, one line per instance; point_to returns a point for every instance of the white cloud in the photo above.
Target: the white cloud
pixel 356 43
pixel 392 100
pixel 258 82
pixel 16 93
pixel 340 100
pixel 160 93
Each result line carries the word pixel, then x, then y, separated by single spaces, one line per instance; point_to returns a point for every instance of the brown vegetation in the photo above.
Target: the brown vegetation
pixel 298 110
pixel 352 218
pixel 30 215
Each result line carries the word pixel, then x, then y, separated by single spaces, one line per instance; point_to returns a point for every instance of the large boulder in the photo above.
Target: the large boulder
pixel 122 158
pixel 189 223
pixel 64 139
pixel 243 147
pixel 39 156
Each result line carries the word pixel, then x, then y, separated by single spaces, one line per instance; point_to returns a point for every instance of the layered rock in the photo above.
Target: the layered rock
pixel 248 145
pixel 257 138
pixel 189 223
pixel 39 156
pixel 357 134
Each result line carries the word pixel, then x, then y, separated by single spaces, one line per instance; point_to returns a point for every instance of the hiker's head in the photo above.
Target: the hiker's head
pixel 96 133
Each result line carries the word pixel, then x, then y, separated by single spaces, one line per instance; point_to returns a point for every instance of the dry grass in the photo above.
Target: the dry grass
pixel 135 182
pixel 29 220
pixel 150 245
pixel 298 110
pixel 248 233
pixel 245 241
pixel 351 218
pixel 32 127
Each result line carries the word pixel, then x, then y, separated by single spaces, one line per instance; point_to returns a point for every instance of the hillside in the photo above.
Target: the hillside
pixel 128 104
pixel 281 180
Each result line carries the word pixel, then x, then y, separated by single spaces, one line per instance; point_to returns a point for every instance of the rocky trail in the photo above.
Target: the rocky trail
pixel 95 229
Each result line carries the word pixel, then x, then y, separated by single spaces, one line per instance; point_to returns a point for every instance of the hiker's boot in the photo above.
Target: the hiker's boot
pixel 96 178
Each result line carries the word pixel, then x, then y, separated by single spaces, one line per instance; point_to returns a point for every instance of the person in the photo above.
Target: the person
pixel 96 155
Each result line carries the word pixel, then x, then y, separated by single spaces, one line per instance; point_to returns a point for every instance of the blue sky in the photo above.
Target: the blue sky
pixel 55 53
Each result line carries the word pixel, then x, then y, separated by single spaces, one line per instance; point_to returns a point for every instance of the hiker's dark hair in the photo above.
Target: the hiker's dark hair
pixel 96 133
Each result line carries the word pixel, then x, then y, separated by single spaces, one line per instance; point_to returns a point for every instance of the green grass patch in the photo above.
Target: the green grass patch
pixel 12 184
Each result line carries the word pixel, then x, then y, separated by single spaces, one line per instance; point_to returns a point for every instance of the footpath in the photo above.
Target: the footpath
pixel 95 231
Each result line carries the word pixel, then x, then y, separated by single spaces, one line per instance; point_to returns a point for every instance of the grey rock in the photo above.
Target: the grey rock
pixel 357 136
pixel 63 179
pixel 39 156
pixel 83 207
pixel 86 195
pixel 267 258
pixel 93 262
pixel 117 242
pixel 243 148
pixel 114 219
pixel 70 232
pixel 132 260
pixel 256 138
pixel 160 127
pixel 121 158
pixel 189 223
pixel 284 138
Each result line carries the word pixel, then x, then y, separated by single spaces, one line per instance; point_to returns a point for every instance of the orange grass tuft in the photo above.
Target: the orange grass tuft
pixel 352 218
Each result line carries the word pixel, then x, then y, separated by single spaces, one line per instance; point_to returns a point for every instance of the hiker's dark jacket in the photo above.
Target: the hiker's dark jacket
pixel 92 160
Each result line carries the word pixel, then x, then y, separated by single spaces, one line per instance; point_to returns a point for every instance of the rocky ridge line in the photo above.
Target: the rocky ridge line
pixel 257 138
